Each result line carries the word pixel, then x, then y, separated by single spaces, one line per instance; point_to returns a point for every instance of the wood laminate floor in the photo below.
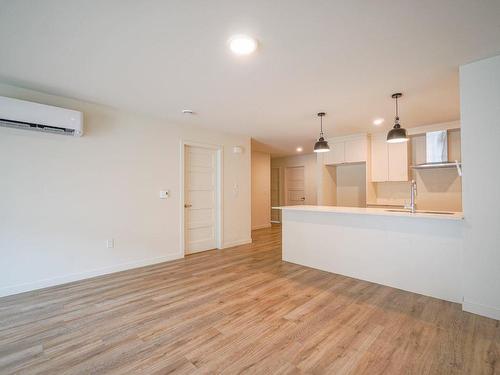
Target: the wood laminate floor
pixel 240 310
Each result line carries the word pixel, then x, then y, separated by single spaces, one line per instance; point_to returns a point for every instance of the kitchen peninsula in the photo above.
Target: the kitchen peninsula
pixel 419 252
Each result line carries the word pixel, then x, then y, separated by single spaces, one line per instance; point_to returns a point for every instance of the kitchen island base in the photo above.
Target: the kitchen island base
pixel 416 254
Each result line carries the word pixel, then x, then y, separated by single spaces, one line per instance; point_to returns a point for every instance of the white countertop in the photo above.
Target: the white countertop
pixel 374 211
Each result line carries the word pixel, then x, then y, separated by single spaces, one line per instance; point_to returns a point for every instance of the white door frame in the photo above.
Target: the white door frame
pixel 218 195
pixel 279 193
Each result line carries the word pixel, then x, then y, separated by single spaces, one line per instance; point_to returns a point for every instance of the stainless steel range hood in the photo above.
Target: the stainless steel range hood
pixel 436 152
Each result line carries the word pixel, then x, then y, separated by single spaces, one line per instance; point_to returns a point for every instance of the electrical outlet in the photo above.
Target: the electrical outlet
pixel 110 243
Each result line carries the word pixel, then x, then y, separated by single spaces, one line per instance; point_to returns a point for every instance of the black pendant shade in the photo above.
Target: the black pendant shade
pixel 397 134
pixel 321 145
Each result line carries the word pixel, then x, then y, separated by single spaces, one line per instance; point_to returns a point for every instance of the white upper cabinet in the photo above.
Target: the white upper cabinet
pixel 389 161
pixel 336 154
pixel 356 150
pixel 352 149
pixel 379 154
pixel 398 161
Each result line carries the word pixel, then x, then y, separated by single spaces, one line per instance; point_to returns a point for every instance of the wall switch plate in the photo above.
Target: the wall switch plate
pixel 110 243
pixel 164 194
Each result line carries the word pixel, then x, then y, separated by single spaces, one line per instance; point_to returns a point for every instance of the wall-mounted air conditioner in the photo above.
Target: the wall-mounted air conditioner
pixel 15 113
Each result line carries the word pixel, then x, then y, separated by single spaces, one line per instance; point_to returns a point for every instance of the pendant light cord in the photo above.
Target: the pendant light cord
pixel 321 124
pixel 397 109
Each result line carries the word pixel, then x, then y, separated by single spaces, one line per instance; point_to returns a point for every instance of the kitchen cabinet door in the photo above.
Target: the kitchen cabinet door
pixel 398 161
pixel 355 150
pixel 336 154
pixel 379 156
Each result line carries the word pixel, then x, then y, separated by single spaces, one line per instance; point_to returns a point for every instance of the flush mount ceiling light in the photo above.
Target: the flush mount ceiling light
pixel 299 149
pixel 321 145
pixel 188 111
pixel 397 134
pixel 378 121
pixel 242 45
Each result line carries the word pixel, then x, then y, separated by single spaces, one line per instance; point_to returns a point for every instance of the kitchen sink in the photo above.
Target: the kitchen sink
pixel 423 212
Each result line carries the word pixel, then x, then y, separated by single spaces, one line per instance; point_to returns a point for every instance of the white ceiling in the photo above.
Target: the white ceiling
pixel 342 57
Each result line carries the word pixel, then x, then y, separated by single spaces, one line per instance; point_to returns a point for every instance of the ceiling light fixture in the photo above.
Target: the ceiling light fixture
pixel 397 134
pixel 321 145
pixel 299 149
pixel 188 111
pixel 378 121
pixel 242 45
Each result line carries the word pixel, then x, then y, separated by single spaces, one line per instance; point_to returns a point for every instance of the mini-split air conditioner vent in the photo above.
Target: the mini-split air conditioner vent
pixel 25 115
pixel 38 127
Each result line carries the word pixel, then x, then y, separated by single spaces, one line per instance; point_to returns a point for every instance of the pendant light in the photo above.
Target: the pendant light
pixel 321 145
pixel 397 134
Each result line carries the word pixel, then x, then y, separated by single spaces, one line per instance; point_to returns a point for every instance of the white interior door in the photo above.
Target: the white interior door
pixel 295 191
pixel 200 199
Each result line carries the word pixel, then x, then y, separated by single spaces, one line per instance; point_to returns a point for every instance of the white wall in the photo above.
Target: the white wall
pixel 480 112
pixel 310 174
pixel 261 190
pixel 62 197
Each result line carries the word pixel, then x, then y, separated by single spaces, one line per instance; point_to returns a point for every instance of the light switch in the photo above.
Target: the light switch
pixel 110 243
pixel 164 194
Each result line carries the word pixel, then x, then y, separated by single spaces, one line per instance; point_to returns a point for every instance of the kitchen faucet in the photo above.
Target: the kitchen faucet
pixel 413 193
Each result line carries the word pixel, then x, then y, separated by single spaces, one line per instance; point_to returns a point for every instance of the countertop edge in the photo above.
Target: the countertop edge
pixel 457 216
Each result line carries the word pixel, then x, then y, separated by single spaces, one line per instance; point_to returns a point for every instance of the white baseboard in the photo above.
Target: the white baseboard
pixel 44 283
pixel 237 243
pixel 262 226
pixel 476 308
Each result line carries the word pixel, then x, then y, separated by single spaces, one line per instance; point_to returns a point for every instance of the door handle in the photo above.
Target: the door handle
pixel 303 198
pixel 186 205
